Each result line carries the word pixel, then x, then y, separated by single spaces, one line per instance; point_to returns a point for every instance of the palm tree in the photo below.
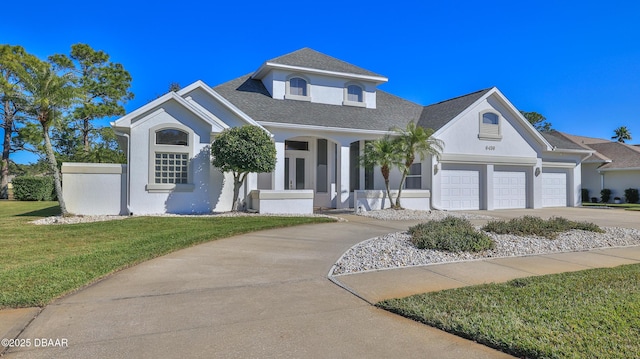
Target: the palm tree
pixel 622 134
pixel 415 140
pixel 382 152
pixel 47 94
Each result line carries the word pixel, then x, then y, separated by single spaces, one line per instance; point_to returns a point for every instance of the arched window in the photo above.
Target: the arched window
pixel 490 127
pixel 354 93
pixel 490 118
pixel 172 136
pixel 298 86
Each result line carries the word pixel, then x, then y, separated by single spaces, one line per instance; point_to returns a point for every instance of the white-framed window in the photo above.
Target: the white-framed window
pixel 414 178
pixel 490 118
pixel 171 167
pixel 170 149
pixel 172 136
pixel 489 128
pixel 298 88
pixel 354 95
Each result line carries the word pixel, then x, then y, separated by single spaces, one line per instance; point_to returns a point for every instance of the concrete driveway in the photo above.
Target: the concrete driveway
pixel 601 216
pixel 261 295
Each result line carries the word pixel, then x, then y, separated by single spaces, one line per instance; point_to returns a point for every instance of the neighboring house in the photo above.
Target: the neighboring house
pixel 613 165
pixel 320 112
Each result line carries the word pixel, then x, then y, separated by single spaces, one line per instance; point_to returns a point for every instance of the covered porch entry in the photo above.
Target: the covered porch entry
pixel 327 166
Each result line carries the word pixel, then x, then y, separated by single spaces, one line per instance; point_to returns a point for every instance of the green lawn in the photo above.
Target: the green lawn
pixel 632 206
pixel 41 263
pixel 588 314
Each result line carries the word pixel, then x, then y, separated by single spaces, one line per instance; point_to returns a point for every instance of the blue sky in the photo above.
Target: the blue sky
pixel 575 62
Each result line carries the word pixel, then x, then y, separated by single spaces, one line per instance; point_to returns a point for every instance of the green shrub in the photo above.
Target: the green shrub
pixel 450 234
pixel 29 188
pixel 536 226
pixel 605 195
pixel 585 195
pixel 631 195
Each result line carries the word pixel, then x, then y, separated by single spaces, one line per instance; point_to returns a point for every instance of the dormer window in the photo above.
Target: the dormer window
pixel 490 127
pixel 298 88
pixel 353 95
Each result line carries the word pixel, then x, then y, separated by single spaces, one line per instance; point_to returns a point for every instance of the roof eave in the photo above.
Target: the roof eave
pixel 619 169
pixel 268 66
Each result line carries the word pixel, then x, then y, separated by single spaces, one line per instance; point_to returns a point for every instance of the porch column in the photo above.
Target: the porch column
pixel 342 198
pixel 278 174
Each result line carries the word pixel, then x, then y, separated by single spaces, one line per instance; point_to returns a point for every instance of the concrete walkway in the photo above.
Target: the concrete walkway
pixel 266 295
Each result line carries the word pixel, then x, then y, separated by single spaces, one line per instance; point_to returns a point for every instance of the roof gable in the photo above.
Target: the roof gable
pixel 129 120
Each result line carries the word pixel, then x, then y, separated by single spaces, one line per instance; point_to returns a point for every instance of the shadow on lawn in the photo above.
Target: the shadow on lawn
pixel 45 212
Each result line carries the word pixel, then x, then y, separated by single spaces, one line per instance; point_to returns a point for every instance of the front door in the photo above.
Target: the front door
pixel 296 176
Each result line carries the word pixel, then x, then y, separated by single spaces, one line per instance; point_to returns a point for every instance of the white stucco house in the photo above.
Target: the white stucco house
pixel 320 111
pixel 613 165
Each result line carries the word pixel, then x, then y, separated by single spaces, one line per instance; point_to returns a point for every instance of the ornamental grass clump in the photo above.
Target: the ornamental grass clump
pixel 536 226
pixel 450 234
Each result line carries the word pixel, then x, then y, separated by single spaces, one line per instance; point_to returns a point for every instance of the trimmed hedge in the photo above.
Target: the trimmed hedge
pixel 450 234
pixel 631 195
pixel 30 188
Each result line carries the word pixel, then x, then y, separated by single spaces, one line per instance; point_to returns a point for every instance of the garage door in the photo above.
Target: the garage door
pixel 460 189
pixel 554 189
pixel 509 190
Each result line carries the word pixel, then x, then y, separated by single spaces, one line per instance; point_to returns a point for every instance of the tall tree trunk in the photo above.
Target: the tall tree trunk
pixel 85 134
pixel 4 172
pixel 54 168
pixel 6 147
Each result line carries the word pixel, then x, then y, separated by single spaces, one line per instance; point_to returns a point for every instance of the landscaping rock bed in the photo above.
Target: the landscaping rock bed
pixel 396 250
pixel 409 214
pixel 89 219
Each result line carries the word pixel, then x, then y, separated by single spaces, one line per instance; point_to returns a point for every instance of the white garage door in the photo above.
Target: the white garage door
pixel 460 189
pixel 509 190
pixel 554 189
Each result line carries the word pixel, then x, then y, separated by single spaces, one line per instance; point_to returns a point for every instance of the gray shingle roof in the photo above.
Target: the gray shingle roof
pixel 252 98
pixel 622 156
pixel 439 114
pixel 560 140
pixel 310 58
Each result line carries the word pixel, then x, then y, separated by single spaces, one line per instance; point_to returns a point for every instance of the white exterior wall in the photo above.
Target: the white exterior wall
pixel 94 188
pixel 516 151
pixel 209 193
pixel 323 89
pixel 618 181
pixel 461 137
pixel 591 179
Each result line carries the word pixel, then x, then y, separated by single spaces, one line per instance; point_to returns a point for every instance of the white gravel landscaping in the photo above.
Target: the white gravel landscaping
pixel 396 250
pixel 89 219
pixel 410 214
